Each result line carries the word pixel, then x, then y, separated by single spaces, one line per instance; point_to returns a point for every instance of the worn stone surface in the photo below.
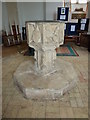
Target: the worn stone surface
pixel 27 108
pixel 52 86
pixel 45 78
pixel 45 37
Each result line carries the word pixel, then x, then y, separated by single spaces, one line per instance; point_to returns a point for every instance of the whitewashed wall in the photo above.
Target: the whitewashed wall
pixel 0 16
pixel 30 11
pixel 0 22
pixel 12 12
pixel 26 11
pixel 4 17
pixel 9 15
pixel 51 10
pixel 21 12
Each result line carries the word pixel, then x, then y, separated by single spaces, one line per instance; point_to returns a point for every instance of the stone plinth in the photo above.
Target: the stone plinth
pixel 51 86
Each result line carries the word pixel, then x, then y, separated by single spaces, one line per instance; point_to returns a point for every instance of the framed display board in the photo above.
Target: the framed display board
pixel 71 29
pixel 62 13
pixel 83 24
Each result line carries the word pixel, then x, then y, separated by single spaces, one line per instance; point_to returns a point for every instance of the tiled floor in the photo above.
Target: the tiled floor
pixel 74 104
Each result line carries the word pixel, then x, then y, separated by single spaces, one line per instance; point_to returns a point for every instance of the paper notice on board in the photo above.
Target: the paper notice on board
pixel 82 27
pixel 72 27
pixel 83 20
pixel 62 17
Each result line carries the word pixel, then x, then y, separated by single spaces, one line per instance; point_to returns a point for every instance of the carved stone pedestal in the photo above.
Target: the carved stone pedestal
pixel 45 77
pixel 45 37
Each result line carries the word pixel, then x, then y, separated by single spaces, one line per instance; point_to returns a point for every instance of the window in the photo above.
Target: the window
pixel 79 1
pixel 82 1
pixel 74 1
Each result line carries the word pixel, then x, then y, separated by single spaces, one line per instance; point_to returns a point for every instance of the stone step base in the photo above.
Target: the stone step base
pixel 52 86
